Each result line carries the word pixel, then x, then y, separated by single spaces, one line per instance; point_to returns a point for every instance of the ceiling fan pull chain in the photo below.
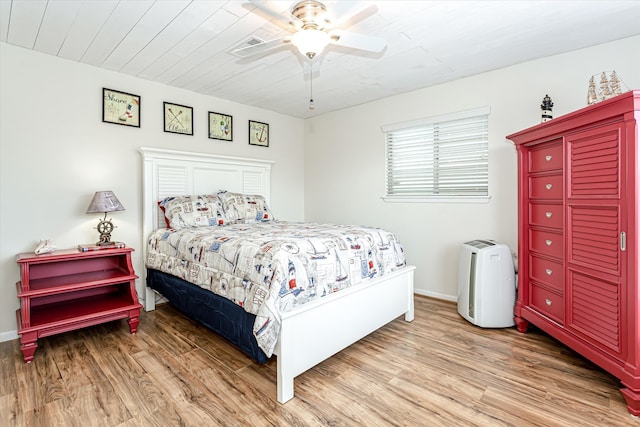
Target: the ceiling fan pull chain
pixel 311 106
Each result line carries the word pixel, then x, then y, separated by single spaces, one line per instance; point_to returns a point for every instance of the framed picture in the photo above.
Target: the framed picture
pixel 120 108
pixel 178 118
pixel 220 126
pixel 258 133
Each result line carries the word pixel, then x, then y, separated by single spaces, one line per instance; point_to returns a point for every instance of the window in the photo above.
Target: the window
pixel 439 158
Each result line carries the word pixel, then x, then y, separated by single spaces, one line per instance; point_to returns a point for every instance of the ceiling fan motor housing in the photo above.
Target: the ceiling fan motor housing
pixel 310 13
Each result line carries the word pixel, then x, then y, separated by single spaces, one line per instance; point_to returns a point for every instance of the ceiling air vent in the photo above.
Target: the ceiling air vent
pixel 251 41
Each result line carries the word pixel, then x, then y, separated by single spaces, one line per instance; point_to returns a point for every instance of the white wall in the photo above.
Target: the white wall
pixel 55 152
pixel 344 155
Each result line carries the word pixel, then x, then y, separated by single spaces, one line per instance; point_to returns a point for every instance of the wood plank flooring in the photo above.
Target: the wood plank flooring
pixel 438 370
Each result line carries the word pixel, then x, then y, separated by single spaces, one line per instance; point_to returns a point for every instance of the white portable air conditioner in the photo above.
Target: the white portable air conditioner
pixel 486 284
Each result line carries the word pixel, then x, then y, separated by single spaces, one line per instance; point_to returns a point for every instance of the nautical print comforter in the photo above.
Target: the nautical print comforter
pixel 273 267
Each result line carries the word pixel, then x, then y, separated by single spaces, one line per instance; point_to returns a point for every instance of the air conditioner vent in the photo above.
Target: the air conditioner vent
pixel 480 243
pixel 251 41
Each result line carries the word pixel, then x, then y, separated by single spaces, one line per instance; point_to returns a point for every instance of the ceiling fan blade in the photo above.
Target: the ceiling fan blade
pixel 268 12
pixel 346 13
pixel 255 49
pixel 358 41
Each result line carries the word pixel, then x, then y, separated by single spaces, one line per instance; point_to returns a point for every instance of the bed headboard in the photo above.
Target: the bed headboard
pixel 174 173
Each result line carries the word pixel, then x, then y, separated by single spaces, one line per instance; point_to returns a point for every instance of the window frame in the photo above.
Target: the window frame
pixel 426 122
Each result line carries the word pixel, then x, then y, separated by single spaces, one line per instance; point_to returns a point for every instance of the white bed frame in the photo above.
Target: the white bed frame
pixel 308 334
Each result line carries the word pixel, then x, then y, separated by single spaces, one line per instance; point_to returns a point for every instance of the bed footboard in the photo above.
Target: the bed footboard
pixel 338 321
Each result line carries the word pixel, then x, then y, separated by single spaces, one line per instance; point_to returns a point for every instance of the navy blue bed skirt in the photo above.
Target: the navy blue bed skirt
pixel 213 311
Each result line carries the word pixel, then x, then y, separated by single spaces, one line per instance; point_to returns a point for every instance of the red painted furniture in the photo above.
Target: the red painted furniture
pixel 578 249
pixel 66 290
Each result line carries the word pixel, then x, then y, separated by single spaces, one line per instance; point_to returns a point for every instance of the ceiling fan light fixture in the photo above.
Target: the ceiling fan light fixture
pixel 310 43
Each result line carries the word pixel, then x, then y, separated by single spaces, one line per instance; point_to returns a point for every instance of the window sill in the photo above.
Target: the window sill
pixel 436 199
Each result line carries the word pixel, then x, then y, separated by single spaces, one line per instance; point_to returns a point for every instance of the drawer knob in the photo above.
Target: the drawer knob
pixel 548 302
pixel 548 158
pixel 549 214
pixel 548 242
pixel 549 272
pixel 548 186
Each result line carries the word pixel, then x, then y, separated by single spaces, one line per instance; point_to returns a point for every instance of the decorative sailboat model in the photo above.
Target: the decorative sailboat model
pixel 608 87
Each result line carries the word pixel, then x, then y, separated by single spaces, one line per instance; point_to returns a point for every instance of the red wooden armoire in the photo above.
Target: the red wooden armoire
pixel 578 251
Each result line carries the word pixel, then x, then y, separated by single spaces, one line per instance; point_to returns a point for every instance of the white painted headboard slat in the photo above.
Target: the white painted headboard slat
pixel 173 173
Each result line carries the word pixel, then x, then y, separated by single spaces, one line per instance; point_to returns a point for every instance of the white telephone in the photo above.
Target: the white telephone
pixel 44 247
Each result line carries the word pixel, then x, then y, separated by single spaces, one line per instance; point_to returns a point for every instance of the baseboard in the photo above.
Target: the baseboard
pixel 8 336
pixel 436 295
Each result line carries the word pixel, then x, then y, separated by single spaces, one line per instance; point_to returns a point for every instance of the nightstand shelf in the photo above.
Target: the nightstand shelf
pixel 78 281
pixel 67 290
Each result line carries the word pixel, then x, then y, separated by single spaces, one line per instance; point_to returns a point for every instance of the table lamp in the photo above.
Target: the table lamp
pixel 103 202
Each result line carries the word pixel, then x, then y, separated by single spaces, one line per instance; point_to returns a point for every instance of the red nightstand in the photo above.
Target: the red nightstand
pixel 69 289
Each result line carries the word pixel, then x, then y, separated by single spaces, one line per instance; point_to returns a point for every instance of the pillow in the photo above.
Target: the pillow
pixel 245 208
pixel 193 211
pixel 162 217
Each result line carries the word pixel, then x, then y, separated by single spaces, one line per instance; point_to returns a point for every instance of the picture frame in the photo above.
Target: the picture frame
pixel 120 108
pixel 220 126
pixel 258 133
pixel 178 118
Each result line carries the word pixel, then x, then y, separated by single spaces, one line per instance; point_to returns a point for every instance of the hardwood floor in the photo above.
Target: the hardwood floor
pixel 438 370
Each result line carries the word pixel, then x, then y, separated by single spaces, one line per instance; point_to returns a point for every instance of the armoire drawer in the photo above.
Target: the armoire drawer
pixel 547 302
pixel 547 243
pixel 546 158
pixel 547 272
pixel 545 187
pixel 545 215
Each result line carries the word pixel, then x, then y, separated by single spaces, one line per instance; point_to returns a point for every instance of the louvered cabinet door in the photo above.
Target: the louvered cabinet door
pixel 595 261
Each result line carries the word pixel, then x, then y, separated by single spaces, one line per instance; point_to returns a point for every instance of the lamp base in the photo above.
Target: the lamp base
pixel 105 227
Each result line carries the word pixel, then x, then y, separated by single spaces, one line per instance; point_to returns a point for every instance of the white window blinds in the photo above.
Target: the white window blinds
pixel 440 157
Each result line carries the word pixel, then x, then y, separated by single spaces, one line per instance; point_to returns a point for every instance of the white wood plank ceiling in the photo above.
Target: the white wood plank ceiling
pixel 187 44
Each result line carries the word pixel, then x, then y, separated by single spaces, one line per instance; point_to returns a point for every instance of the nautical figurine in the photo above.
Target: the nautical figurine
pixel 592 97
pixel 546 106
pixel 604 87
pixel 614 82
pixel 608 87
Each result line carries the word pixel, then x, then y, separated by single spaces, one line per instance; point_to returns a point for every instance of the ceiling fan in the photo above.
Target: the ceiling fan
pixel 315 27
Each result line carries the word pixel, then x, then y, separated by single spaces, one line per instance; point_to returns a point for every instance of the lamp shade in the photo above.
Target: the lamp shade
pixel 310 42
pixel 103 202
